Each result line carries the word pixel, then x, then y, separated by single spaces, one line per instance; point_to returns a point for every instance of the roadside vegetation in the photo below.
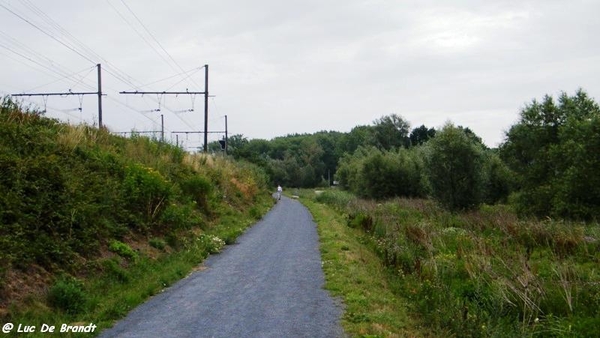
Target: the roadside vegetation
pixel 434 233
pixel 483 242
pixel 92 224
pixel 355 275
pixel 482 273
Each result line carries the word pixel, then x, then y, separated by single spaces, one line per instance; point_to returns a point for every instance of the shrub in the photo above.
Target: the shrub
pixel 67 295
pixel 454 168
pixel 122 249
pixel 180 217
pixel 361 220
pixel 147 194
pixel 157 243
pixel 198 189
pixel 212 244
pixel 114 269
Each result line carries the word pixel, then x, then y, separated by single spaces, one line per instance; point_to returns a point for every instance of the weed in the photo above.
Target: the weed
pixel 122 249
pixel 67 295
pixel 157 243
pixel 477 272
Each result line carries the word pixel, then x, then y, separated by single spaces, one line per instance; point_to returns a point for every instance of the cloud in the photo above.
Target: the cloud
pixel 279 67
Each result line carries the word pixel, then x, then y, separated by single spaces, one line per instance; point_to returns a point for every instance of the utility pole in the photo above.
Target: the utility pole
pixel 205 93
pixel 206 108
pixel 226 138
pixel 99 93
pixel 99 96
pixel 162 128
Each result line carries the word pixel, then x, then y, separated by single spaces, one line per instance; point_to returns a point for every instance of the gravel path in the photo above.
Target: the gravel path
pixel 269 284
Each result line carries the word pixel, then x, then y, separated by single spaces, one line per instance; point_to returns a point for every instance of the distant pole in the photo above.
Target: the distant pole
pixel 177 140
pixel 99 96
pixel 162 128
pixel 206 109
pixel 226 138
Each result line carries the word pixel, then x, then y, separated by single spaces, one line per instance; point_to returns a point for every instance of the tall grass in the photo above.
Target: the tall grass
pixel 106 220
pixel 485 273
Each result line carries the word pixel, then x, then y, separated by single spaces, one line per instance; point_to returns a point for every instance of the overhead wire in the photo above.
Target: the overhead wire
pixel 63 31
pixel 119 74
pixel 72 43
pixel 155 40
pixel 46 33
pixel 64 78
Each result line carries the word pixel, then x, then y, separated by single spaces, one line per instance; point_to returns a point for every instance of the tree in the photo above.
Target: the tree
pixel 359 136
pixel 391 131
pixel 577 183
pixel 454 169
pixel 498 179
pixel 421 135
pixel 553 149
pixel 235 143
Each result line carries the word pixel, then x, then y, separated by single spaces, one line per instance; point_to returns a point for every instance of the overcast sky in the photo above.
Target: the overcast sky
pixel 281 67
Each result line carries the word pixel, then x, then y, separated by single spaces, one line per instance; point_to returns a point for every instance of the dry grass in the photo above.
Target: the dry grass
pixel 488 268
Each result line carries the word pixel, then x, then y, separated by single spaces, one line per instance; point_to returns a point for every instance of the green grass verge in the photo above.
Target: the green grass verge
pixel 482 273
pixel 354 273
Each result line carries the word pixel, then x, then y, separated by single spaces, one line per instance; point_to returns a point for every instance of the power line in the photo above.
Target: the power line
pixel 46 33
pixel 156 40
pixel 119 74
pixel 138 33
pixel 69 41
pixel 99 93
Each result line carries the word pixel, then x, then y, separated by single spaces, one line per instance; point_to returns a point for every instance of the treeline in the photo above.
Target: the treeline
pixel 309 160
pixel 548 165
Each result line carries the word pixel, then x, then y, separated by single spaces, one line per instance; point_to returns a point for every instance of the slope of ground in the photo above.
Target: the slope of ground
pixel 91 223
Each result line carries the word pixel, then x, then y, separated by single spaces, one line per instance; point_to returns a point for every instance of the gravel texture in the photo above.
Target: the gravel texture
pixel 268 284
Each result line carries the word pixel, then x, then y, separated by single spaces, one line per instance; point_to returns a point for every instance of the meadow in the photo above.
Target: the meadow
pixel 481 273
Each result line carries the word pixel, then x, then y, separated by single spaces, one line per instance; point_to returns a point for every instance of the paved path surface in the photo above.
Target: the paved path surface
pixel 269 284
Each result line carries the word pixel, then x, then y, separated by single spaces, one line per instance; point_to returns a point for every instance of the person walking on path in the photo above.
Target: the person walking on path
pixel 279 190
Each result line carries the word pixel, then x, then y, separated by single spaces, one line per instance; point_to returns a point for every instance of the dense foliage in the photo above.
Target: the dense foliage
pixel 555 151
pixel 454 165
pixel 549 163
pixel 311 160
pixel 68 194
pixel 372 173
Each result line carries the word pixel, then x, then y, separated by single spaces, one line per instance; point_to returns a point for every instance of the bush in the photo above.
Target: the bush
pixel 181 217
pixel 377 174
pixel 454 169
pixel 67 295
pixel 157 243
pixel 198 189
pixel 147 194
pixel 213 244
pixel 122 250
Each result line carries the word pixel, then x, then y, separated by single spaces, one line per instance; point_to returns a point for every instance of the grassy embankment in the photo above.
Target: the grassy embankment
pixel 92 224
pixel 484 273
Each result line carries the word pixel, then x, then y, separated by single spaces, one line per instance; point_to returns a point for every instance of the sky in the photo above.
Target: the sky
pixel 284 67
